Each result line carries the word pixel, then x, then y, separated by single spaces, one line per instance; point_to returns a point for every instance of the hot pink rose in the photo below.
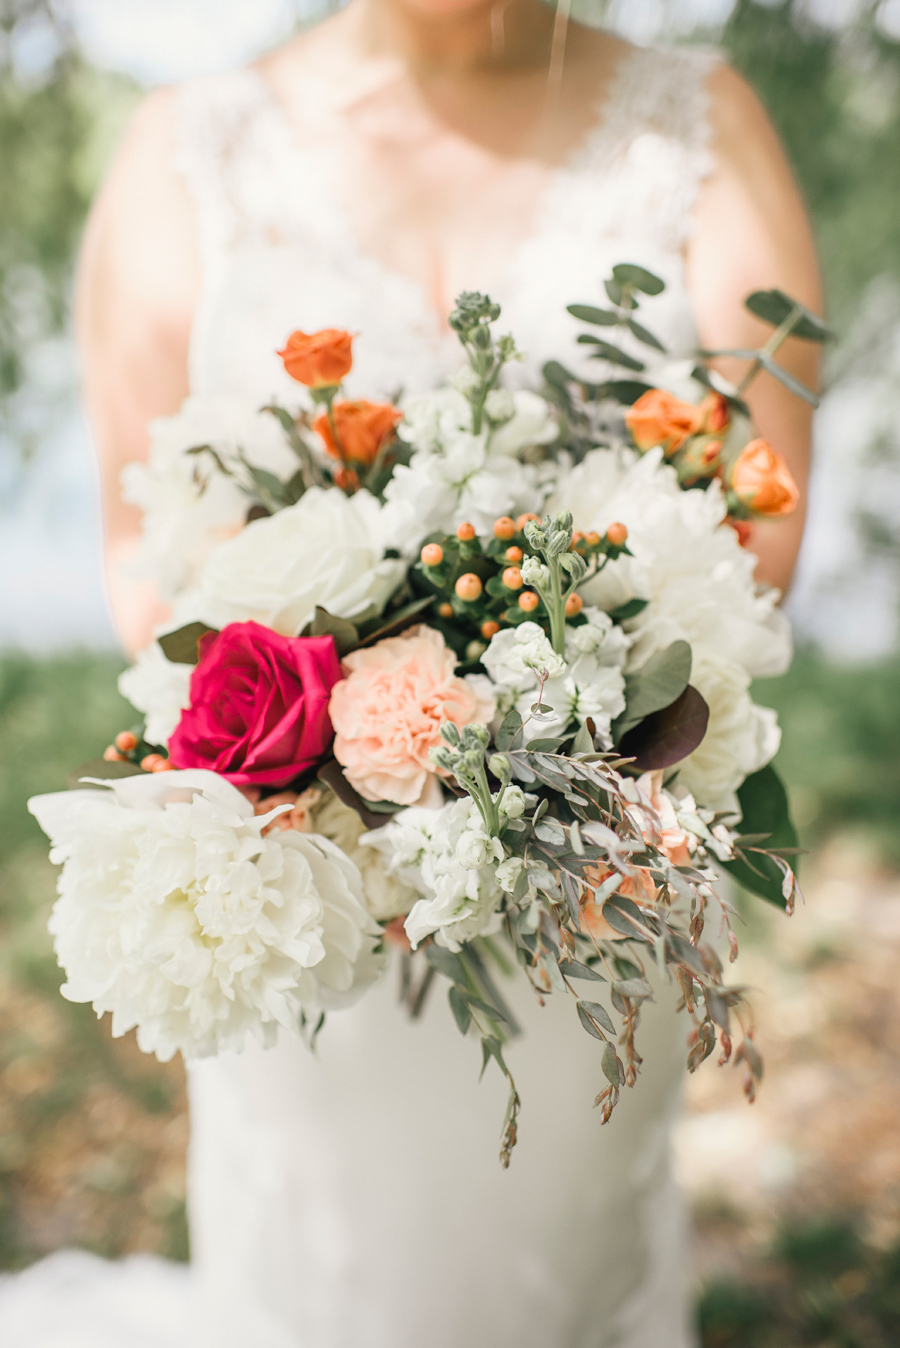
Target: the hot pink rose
pixel 259 705
pixel 388 712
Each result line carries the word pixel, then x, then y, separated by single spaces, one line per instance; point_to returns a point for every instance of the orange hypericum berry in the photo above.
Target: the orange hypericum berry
pixel 432 554
pixel 112 755
pixel 125 741
pixel 150 761
pixel 574 605
pixel 512 578
pixel 504 527
pixel 577 537
pixel 445 610
pixel 465 533
pixel 592 539
pixel 489 629
pixel 513 554
pixel 523 520
pixel 617 534
pixel 528 601
pixel 163 766
pixel 469 587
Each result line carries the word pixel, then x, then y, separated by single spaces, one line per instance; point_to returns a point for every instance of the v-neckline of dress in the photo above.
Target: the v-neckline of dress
pixel 592 150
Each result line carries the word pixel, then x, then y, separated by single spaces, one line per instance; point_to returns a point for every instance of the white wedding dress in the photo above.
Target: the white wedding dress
pixel 355 1199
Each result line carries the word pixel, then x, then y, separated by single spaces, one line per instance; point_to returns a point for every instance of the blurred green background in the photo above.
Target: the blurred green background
pixel 91 1133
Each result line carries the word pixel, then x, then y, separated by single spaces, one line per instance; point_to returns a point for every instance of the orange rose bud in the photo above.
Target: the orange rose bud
pixel 362 429
pixel 513 554
pixel 318 359
pixel 125 741
pixel 743 529
pixel 574 605
pixel 523 520
pixel 112 755
pixel 617 534
pixel 432 554
pixel 504 527
pixel 716 413
pixel 762 482
pixel 445 610
pixel 465 533
pixel 150 761
pixel 512 578
pixel 469 587
pixel 489 629
pixel 659 418
pixel 346 479
pixel 528 601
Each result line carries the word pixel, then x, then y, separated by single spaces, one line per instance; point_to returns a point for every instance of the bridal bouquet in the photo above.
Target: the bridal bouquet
pixel 468 675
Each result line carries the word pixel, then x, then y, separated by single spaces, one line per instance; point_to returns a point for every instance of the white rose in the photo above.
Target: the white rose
pixel 741 737
pixel 189 505
pixel 159 688
pixel 516 654
pixel 176 915
pixel 326 550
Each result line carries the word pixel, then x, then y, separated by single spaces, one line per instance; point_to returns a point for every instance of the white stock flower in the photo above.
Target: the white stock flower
pixel 512 802
pixel 535 572
pixel 531 422
pixel 698 580
pixel 516 654
pixel 176 915
pixel 189 505
pixel 159 688
pixel 508 872
pixel 458 902
pixel 741 737
pixel 326 550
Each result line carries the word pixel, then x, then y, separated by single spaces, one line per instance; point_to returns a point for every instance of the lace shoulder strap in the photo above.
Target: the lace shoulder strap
pixel 224 138
pixel 652 148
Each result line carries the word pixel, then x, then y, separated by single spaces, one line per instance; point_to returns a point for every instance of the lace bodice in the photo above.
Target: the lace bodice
pixel 279 250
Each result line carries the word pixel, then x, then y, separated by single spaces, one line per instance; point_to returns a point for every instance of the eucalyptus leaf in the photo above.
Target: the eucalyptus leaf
pixel 332 774
pixel 612 1066
pixel 630 274
pixel 589 1024
pixel 587 313
pixel 509 729
pixel 460 1008
pixel 644 335
pixel 774 306
pixel 626 391
pixel 770 364
pixel 628 610
pixel 392 624
pixel 583 742
pixel 606 351
pixel 599 1013
pixel 574 969
pixel 182 645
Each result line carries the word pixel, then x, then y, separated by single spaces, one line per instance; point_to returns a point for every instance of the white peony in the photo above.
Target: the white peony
pixel 189 506
pixel 431 851
pixel 326 550
pixel 176 915
pixel 159 688
pixel 741 738
pixel 698 580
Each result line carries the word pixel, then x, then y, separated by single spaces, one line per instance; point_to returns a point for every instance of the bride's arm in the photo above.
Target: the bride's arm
pixel 752 233
pixel 135 296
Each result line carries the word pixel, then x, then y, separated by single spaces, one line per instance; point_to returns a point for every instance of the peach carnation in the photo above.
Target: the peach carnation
pixel 388 711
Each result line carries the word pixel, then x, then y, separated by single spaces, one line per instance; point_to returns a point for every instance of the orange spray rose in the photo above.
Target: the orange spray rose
pixel 761 480
pixel 659 418
pixel 362 429
pixel 318 359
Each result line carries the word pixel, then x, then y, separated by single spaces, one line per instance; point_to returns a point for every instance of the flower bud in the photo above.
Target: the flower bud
pixel 500 766
pixel 450 732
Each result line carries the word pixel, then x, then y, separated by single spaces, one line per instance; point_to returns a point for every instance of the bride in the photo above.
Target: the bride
pixel 360 177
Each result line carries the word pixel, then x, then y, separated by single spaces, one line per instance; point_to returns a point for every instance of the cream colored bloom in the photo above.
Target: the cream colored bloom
pixel 176 915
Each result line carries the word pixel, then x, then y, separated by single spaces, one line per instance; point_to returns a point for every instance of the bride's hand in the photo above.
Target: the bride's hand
pixel 752 233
